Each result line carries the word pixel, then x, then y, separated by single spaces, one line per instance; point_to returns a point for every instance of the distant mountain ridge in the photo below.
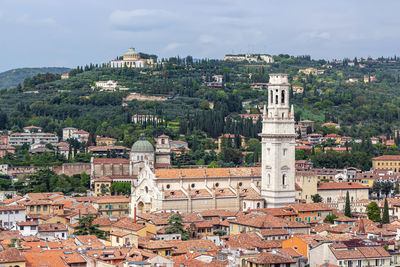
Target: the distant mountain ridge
pixel 12 78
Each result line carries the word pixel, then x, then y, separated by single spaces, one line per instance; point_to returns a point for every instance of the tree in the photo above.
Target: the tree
pixel 316 198
pixel 104 190
pixel 123 188
pixel 374 212
pixel 377 187
pixel 330 218
pixel 347 209
pixel 86 227
pixel 176 226
pixel 385 215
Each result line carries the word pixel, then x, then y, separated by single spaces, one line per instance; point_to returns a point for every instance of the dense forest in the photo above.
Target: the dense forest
pixel 196 113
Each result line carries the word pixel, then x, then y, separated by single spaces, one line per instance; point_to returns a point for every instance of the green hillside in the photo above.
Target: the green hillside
pixel 12 78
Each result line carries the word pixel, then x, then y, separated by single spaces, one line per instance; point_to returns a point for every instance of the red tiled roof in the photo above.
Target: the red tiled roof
pixel 338 186
pixel 208 172
pixel 110 161
pixel 388 157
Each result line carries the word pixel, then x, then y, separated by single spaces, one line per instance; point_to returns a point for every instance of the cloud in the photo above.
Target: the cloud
pixel 140 19
pixel 317 35
pixel 206 39
pixel 173 46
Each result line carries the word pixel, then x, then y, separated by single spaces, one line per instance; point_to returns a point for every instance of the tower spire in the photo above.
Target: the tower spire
pixel 278 145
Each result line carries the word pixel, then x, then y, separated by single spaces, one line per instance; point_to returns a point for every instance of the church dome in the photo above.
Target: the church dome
pixel 142 146
pixel 131 51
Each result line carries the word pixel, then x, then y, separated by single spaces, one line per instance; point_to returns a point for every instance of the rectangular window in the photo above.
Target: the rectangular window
pixel 32 208
pixel 45 208
pixel 38 208
pixel 17 211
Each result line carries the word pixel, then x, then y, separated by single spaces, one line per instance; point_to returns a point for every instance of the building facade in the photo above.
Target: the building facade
pixel 278 145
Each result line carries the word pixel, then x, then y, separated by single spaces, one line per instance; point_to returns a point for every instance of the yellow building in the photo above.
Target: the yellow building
pixel 309 71
pixel 38 207
pixel 120 238
pixel 387 162
pixel 102 186
pixel 12 257
pixel 112 205
pixel 105 141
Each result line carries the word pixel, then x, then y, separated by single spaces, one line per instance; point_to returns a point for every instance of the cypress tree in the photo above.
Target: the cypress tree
pixel 347 210
pixel 385 215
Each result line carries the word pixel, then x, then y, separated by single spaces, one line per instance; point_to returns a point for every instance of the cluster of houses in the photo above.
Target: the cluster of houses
pixel 39 229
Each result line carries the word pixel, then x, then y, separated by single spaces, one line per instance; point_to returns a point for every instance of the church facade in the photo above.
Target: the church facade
pixel 272 185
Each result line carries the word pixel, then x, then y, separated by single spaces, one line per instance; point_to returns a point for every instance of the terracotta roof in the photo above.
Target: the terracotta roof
pixel 360 253
pixel 218 213
pixel 53 257
pixel 28 223
pixel 274 232
pixel 9 235
pixel 388 157
pixel 128 224
pixel 12 207
pixel 208 172
pixel 110 161
pixel 120 233
pixel 10 255
pixel 268 258
pixel 300 207
pixel 338 186
pixel 52 227
pixel 289 252
pixel 91 241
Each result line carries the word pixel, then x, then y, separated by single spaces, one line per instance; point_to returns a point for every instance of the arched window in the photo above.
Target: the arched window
pixel 269 178
pixel 272 96
pixel 276 99
pixel 283 97
pixel 283 179
pixel 283 115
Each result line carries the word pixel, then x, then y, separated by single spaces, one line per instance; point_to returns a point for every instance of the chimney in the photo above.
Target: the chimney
pixel 134 214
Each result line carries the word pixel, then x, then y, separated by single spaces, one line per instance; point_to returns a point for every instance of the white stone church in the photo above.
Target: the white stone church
pixel 271 185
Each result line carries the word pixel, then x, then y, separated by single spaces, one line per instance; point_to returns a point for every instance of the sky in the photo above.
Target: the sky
pixel 67 33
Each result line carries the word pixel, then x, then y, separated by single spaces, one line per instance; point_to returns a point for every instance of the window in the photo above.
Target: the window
pixel 33 227
pixel 283 179
pixel 17 211
pixel 32 208
pixel 217 184
pixel 45 208
pixel 192 185
pixel 276 99
pixel 21 228
pixel 38 208
pixel 283 97
pixel 168 186
pixel 284 151
pixel 272 97
pixel 244 205
pixel 240 184
pixel 163 141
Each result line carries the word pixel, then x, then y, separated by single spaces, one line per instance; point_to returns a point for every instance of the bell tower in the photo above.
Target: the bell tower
pixel 278 145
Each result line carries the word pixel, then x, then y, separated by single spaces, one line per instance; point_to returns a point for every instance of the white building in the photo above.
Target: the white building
pixel 28 228
pixel 11 215
pixel 68 132
pixel 109 85
pixel 52 231
pixel 18 139
pixel 278 145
